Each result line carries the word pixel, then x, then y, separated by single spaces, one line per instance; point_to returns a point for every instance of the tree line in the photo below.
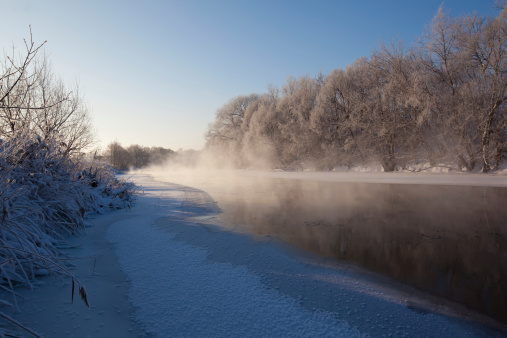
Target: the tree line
pixel 135 156
pixel 441 101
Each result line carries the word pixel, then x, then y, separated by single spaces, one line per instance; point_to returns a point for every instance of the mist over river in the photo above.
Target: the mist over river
pixel 447 240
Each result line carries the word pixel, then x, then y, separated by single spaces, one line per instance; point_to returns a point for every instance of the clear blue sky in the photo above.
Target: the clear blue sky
pixel 154 72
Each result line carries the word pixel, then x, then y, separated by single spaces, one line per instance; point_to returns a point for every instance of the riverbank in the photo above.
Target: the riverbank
pixel 50 310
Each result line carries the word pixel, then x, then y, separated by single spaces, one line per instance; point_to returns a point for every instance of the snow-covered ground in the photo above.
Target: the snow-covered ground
pixel 179 274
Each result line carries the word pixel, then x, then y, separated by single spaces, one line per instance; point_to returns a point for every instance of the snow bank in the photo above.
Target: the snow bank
pixel 45 196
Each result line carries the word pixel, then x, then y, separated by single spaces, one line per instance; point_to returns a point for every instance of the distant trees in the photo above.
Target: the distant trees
pixel 136 156
pixel 440 101
pixel 118 156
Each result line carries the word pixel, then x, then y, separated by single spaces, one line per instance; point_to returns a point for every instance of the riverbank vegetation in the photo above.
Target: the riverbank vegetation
pixel 441 101
pixel 47 189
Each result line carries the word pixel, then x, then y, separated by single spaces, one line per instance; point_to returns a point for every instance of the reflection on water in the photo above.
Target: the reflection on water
pixel 448 240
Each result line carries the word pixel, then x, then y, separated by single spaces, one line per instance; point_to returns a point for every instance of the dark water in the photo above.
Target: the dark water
pixel 450 241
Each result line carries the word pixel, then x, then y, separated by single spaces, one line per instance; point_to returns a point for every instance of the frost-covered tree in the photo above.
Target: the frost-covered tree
pixel 442 101
pixel 388 117
pixel 483 42
pixel 263 142
pixel 446 82
pixel 465 80
pixel 33 99
pixel 225 134
pixel 65 115
pixel 334 118
pixel 294 108
pixel 16 81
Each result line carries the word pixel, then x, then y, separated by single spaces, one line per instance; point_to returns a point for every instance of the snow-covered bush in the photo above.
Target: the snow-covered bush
pixel 45 196
pixel 45 193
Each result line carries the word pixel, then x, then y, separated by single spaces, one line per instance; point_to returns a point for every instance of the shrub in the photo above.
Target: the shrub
pixel 45 196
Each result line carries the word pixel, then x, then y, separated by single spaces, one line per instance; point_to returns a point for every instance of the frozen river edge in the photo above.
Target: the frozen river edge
pixel 179 275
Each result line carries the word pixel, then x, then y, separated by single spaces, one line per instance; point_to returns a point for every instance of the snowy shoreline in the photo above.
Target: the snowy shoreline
pixel 186 277
pixel 49 310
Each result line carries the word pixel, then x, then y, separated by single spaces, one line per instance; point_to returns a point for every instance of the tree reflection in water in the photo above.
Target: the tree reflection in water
pixel 447 240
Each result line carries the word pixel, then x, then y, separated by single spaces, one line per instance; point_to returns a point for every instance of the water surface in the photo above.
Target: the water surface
pixel 446 240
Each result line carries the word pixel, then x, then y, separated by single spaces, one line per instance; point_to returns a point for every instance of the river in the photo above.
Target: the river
pixel 447 240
